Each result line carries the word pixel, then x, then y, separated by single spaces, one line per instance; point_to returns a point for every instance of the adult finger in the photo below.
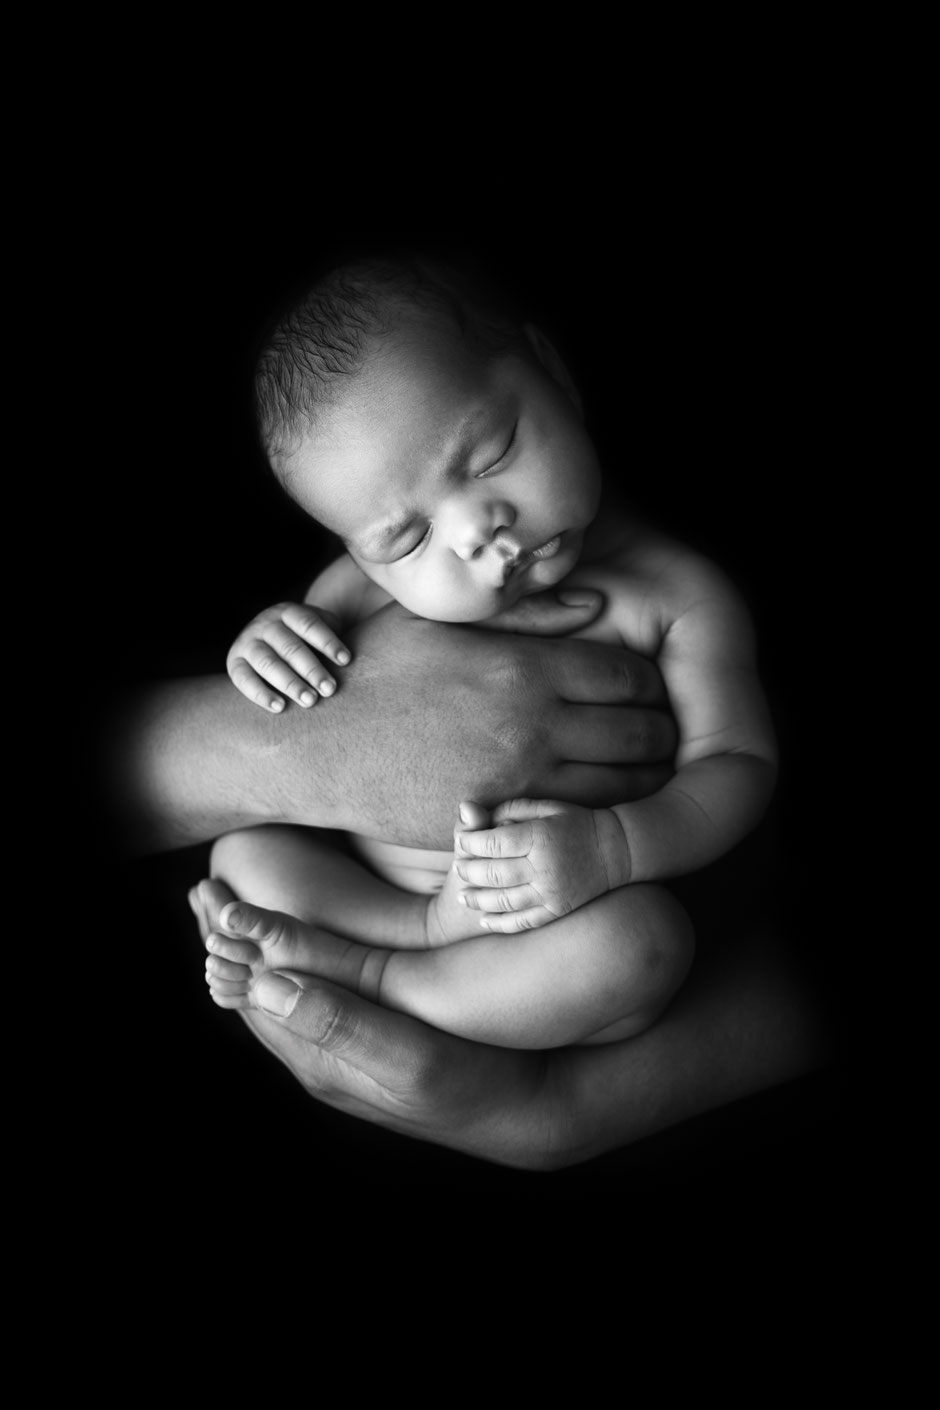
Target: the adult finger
pixel 608 734
pixel 603 785
pixel 590 671
pixel 336 1041
pixel 550 613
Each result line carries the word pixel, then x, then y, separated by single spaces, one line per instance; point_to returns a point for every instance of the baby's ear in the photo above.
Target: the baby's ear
pixel 551 359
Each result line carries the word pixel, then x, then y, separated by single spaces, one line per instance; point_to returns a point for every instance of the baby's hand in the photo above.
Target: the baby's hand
pixel 541 860
pixel 271 648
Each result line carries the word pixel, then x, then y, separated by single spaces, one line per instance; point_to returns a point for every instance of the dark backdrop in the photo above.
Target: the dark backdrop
pixel 698 325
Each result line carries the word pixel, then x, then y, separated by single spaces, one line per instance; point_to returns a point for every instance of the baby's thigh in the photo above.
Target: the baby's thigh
pixel 280 868
pixel 637 939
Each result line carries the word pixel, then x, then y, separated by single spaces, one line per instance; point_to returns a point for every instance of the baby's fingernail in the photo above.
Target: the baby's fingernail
pixel 277 706
pixel 577 599
pixel 306 698
pixel 343 656
pixel 230 916
pixel 461 898
pixel 277 994
pixel 464 815
pixel 327 687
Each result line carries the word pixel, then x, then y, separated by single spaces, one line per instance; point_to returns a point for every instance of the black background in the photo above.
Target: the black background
pixel 699 317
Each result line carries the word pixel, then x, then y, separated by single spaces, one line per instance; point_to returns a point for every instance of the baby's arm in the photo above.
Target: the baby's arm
pixel 544 858
pixel 274 649
pixel 727 759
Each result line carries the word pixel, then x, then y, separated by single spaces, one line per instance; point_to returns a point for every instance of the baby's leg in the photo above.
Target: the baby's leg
pixel 298 871
pixel 603 973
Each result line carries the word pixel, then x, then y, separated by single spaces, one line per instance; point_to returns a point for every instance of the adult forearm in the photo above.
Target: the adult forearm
pixel 190 759
pixel 748 1019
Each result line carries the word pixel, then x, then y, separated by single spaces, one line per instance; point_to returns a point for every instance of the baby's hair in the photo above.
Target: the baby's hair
pixel 323 337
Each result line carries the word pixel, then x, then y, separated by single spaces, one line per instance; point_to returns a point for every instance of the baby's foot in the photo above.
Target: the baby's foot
pixel 448 919
pixel 206 901
pixel 249 940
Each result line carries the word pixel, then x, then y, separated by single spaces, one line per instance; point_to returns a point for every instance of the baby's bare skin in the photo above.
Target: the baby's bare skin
pixel 460 487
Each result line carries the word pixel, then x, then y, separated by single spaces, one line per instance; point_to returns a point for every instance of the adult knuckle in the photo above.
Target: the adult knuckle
pixel 331 1024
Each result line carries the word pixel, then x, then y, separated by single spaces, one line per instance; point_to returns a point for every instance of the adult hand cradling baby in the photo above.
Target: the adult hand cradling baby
pixel 520 716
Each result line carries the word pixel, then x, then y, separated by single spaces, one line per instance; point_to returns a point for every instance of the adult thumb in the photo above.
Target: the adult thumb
pixel 550 613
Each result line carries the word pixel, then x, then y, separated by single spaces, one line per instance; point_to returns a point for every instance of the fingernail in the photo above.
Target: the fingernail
pixel 277 994
pixel 464 815
pixel 230 916
pixel 342 657
pixel 577 599
pixel 461 898
pixel 327 687
pixel 306 698
pixel 277 706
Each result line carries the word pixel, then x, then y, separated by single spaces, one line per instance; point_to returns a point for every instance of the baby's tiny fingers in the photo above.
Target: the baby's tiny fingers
pixel 513 898
pixel 517 920
pixel 269 661
pixel 299 658
pixel 312 627
pixel 253 687
pixel 512 841
pixel 505 871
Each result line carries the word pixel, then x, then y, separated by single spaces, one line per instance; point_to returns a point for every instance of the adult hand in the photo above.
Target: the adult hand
pixel 431 712
pixel 549 613
pixel 427 713
pixel 397 1072
pixel 744 1021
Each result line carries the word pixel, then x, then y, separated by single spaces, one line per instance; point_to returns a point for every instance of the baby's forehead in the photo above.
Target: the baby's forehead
pixel 415 405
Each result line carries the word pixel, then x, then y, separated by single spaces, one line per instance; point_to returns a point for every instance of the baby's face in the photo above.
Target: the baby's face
pixel 457 487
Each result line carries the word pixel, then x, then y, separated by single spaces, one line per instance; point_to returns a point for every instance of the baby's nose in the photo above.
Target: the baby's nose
pixel 478 524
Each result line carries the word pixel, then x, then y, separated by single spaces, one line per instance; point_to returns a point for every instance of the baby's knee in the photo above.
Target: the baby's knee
pixel 234 855
pixel 660 944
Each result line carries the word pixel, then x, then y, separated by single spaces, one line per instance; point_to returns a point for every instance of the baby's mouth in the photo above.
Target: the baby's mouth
pixel 532 555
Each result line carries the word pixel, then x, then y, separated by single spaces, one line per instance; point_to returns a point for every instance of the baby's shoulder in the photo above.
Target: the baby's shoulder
pixel 650 582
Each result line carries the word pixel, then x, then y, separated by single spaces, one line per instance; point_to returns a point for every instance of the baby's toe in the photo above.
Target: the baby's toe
pixel 236 951
pixel 219 969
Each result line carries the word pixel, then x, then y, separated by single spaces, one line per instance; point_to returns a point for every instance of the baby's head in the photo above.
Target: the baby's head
pixel 441 439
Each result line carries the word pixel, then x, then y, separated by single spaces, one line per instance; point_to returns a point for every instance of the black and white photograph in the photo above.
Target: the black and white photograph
pixel 455 697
